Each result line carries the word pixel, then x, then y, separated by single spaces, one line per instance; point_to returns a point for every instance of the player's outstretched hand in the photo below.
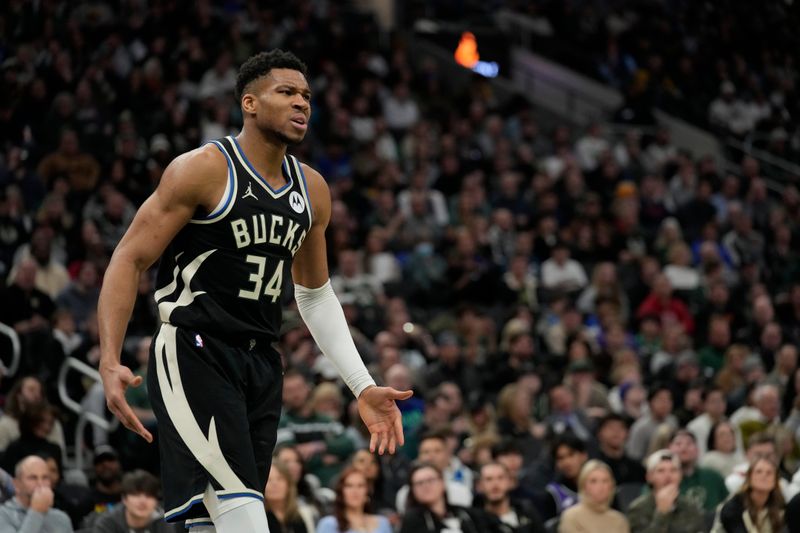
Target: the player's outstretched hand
pixel 116 379
pixel 378 409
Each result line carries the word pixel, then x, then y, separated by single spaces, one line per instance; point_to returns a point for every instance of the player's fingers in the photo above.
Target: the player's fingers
pixel 395 394
pixel 135 382
pixel 392 443
pixel 373 441
pixel 382 449
pixel 123 411
pixel 398 431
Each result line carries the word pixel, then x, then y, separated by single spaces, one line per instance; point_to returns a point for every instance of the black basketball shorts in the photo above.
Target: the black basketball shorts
pixel 218 408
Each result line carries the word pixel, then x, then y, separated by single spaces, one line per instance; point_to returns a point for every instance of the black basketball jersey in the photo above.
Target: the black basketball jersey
pixel 223 273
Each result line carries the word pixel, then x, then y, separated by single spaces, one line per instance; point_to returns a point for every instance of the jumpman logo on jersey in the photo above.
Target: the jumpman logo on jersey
pixel 249 191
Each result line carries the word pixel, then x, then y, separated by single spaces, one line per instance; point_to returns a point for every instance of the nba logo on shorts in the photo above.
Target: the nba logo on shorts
pixel 297 203
pixel 198 341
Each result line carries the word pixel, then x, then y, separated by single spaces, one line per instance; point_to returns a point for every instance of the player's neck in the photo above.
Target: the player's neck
pixel 264 153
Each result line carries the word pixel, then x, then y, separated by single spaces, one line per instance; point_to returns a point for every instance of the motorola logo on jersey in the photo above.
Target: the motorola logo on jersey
pixel 297 202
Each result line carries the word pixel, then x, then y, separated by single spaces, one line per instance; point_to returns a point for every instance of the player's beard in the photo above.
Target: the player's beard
pixel 282 137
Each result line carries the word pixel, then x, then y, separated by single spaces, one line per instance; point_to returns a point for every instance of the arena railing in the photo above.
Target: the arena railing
pixel 16 351
pixel 84 416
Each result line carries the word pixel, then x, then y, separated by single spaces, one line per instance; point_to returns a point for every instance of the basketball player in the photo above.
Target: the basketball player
pixel 231 221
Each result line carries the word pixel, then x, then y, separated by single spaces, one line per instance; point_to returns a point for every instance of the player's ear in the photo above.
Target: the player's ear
pixel 249 103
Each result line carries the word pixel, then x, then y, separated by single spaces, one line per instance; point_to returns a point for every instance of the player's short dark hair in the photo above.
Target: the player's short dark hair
pixel 140 482
pixel 262 63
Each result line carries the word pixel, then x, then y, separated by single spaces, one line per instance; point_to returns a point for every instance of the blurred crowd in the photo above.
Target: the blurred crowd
pixel 722 65
pixel 598 329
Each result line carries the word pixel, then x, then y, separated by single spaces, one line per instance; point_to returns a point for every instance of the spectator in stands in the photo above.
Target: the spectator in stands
pixel 714 407
pixel 107 483
pixel 722 452
pixel 759 504
pixel 80 168
pixel 560 273
pixel 612 434
pixel 515 420
pixel 35 424
pixel 565 416
pixel 704 486
pixel 26 393
pixel 664 509
pixel 568 456
pixel 321 441
pixel 139 510
pixel 662 303
pixel 495 485
pixel 80 296
pixel 280 501
pixel 351 507
pixel 759 445
pixel 31 509
pixel 765 411
pixel 660 400
pixel 434 451
pixel 51 275
pixel 593 512
pixel 430 510
pixel 26 308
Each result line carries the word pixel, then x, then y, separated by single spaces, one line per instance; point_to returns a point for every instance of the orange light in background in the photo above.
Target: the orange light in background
pixel 467 52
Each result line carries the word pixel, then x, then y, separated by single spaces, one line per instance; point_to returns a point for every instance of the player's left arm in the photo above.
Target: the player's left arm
pixel 322 313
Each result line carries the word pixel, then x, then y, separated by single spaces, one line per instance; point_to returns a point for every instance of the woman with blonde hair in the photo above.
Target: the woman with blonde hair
pixel 758 507
pixel 593 512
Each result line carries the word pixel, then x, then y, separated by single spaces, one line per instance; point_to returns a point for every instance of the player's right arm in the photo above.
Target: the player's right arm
pixel 195 179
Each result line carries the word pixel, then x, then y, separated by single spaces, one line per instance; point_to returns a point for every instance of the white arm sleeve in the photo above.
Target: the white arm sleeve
pixel 323 314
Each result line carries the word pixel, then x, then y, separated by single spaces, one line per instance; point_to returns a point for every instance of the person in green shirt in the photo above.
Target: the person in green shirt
pixel 321 441
pixel 702 485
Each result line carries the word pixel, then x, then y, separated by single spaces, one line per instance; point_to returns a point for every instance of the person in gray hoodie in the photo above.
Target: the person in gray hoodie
pixel 31 510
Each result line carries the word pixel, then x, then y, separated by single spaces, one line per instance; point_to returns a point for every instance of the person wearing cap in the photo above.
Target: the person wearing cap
pixel 107 487
pixel 612 433
pixel 664 509
pixel 703 485
pixel 31 509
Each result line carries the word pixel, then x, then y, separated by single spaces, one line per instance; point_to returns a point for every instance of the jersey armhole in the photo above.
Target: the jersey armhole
pixel 304 189
pixel 226 202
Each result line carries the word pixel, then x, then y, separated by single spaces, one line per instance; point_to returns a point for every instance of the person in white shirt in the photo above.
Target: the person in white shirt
pixel 714 406
pixel 433 449
pixel 766 408
pixel 559 272
pixel 760 446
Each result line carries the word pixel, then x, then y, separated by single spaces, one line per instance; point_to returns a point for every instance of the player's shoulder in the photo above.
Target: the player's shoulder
pixel 199 169
pixel 318 191
pixel 204 161
pixel 313 177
